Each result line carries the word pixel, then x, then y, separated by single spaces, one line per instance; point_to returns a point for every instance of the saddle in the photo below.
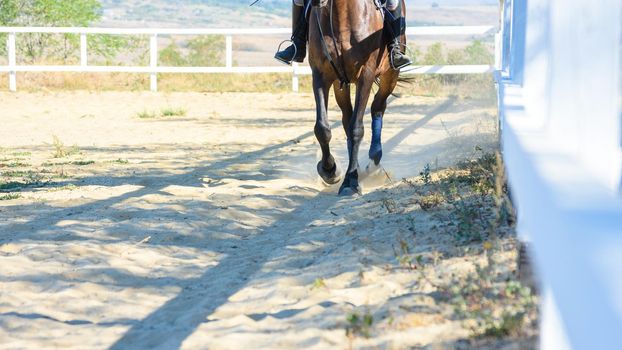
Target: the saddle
pixel 380 4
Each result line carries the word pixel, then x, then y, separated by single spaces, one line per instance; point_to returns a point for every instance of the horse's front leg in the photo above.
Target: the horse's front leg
pixel 355 132
pixel 327 167
pixel 388 81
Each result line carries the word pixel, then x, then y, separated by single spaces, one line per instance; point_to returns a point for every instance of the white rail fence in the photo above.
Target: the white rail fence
pixel 154 69
pixel 559 98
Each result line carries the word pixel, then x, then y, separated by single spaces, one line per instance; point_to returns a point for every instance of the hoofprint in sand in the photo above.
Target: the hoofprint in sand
pixel 211 230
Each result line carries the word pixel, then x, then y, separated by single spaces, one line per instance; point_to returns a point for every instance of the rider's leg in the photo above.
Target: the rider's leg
pixel 298 50
pixel 396 24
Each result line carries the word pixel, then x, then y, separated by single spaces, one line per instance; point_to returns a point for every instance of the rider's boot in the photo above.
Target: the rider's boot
pixel 298 50
pixel 396 28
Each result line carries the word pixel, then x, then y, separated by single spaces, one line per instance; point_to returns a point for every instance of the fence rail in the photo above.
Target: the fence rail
pixel 154 69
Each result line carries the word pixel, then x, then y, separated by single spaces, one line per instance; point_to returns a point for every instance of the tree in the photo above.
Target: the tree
pixel 434 55
pixel 8 10
pixel 48 13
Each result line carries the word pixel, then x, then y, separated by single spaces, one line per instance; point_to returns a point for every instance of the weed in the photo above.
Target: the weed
pixel 82 162
pixel 426 176
pixel 468 221
pixel 121 161
pixel 492 308
pixel 47 164
pixel 21 154
pixel 173 112
pixel 359 324
pixel 10 196
pixel 13 185
pixel 15 173
pixel 14 165
pixel 59 148
pixel 146 115
pixel 479 174
pixel 405 257
pixel 75 162
pixel 60 151
pixel 20 179
pixel 431 201
pixel 318 284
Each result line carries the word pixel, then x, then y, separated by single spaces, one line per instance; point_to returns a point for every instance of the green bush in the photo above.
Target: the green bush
pixel 202 51
pixel 206 51
pixel 171 56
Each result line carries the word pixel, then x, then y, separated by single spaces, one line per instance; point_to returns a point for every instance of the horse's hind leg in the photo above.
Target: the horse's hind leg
pixel 345 104
pixel 327 167
pixel 388 81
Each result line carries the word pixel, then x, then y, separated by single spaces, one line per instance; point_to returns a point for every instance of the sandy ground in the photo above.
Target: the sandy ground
pixel 212 231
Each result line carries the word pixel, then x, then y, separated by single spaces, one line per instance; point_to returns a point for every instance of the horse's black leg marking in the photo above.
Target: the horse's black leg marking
pixel 355 133
pixel 375 150
pixel 327 167
pixel 388 82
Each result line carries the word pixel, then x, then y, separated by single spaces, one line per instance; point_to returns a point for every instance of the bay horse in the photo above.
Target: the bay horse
pixel 347 46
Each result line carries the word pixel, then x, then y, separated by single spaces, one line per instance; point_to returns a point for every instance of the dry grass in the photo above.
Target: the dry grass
pixel 34 82
pixel 460 85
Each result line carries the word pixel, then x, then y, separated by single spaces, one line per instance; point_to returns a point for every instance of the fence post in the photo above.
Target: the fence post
pixel 83 52
pixel 229 51
pixel 584 115
pixel 295 77
pixel 498 51
pixel 153 53
pixel 12 62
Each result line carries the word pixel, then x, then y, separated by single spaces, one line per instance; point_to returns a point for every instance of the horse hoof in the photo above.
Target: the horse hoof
pixel 331 176
pixel 376 159
pixel 349 191
pixel 375 154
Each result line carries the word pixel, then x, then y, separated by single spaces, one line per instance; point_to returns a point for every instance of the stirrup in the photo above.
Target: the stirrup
pixel 289 63
pixel 398 47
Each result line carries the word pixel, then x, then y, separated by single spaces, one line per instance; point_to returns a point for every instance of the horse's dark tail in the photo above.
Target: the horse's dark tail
pixel 406 80
pixel 402 81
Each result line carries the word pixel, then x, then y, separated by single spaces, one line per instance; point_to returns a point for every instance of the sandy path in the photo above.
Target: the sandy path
pixel 211 230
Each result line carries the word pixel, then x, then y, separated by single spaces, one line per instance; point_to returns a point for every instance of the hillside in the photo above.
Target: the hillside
pixel 189 13
pixel 271 13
